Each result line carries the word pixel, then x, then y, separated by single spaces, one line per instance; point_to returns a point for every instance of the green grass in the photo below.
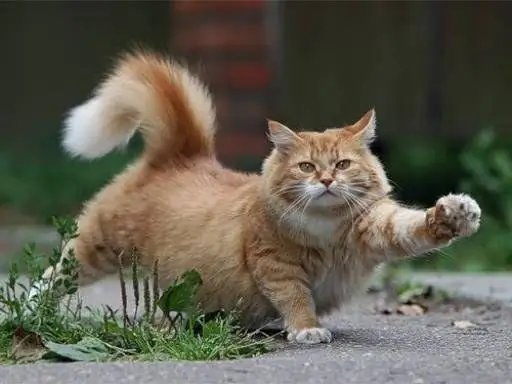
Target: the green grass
pixel 62 330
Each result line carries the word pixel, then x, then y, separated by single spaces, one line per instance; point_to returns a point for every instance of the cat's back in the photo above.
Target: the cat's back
pixel 201 181
pixel 196 195
pixel 200 184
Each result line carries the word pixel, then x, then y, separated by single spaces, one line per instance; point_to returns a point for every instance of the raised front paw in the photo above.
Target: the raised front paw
pixel 310 336
pixel 453 216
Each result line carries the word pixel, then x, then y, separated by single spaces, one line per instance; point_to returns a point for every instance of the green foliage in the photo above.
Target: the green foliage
pixel 87 349
pixel 40 185
pixel 490 177
pixel 486 169
pixel 46 327
pixel 179 297
pixel 489 167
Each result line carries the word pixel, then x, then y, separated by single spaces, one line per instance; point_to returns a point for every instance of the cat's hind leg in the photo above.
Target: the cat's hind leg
pixel 84 260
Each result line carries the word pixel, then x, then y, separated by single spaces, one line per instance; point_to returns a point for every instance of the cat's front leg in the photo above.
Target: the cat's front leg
pixel 293 299
pixel 285 286
pixel 391 231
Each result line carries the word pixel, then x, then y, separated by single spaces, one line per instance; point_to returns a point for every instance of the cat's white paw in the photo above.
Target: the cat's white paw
pixel 35 291
pixel 310 336
pixel 454 216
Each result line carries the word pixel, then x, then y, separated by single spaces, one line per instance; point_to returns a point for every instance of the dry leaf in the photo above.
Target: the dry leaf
pixel 27 346
pixel 463 324
pixel 411 310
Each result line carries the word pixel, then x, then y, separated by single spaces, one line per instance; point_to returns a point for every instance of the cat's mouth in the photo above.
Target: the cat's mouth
pixel 326 192
pixel 326 198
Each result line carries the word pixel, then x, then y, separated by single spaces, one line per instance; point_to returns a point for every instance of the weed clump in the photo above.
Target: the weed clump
pixel 47 327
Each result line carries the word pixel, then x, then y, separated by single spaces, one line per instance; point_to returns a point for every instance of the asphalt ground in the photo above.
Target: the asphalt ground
pixel 368 347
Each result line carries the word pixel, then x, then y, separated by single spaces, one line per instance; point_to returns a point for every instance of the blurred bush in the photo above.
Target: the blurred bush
pixel 38 184
pixel 486 174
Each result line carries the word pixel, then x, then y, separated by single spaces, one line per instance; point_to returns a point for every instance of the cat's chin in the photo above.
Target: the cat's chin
pixel 327 199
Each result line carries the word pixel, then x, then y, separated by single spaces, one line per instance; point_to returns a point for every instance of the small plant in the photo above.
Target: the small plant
pixel 47 327
pixel 488 165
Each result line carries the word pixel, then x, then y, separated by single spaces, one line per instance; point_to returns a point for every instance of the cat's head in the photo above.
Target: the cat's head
pixel 332 168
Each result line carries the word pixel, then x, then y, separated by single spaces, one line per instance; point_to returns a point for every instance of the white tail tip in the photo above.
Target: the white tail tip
pixel 85 134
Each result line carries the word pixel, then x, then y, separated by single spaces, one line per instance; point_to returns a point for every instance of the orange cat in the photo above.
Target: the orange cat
pixel 294 242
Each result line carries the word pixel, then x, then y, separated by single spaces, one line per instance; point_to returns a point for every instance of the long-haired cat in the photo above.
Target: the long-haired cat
pixel 293 242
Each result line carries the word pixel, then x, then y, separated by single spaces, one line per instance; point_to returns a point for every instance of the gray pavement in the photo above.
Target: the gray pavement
pixel 368 348
pixel 482 286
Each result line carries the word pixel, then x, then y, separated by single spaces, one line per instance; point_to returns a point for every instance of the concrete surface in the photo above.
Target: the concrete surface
pixel 368 348
pixel 13 239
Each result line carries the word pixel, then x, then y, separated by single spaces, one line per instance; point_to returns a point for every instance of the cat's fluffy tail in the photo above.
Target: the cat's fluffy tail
pixel 170 107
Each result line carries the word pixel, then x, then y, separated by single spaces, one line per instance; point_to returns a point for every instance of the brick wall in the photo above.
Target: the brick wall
pixel 231 44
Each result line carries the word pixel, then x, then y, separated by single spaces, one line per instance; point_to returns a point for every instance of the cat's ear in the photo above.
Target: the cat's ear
pixel 281 136
pixel 365 128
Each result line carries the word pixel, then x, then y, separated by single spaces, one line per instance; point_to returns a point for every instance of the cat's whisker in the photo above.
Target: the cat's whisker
pixel 295 205
pixel 288 189
pixel 364 192
pixel 356 200
pixel 362 207
pixel 394 184
pixel 364 202
pixel 443 253
pixel 305 207
pixel 290 208
pixel 349 205
pixel 304 234
pixel 366 199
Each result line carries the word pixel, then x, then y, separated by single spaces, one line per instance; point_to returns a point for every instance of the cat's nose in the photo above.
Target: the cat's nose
pixel 326 182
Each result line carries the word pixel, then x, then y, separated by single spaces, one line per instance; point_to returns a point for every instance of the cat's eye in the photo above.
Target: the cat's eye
pixel 343 164
pixel 307 167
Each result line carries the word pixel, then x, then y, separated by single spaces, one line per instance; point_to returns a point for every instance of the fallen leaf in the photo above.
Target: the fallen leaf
pixel 411 310
pixel 87 349
pixel 27 346
pixel 463 324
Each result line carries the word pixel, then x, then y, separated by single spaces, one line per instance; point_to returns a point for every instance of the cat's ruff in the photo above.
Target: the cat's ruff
pixel 294 242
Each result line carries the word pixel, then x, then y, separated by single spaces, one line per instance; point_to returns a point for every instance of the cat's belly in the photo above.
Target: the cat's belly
pixel 339 284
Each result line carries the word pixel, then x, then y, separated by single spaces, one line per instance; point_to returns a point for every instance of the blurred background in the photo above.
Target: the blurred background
pixel 438 73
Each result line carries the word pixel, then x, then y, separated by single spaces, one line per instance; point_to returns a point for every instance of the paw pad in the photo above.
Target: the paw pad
pixel 455 215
